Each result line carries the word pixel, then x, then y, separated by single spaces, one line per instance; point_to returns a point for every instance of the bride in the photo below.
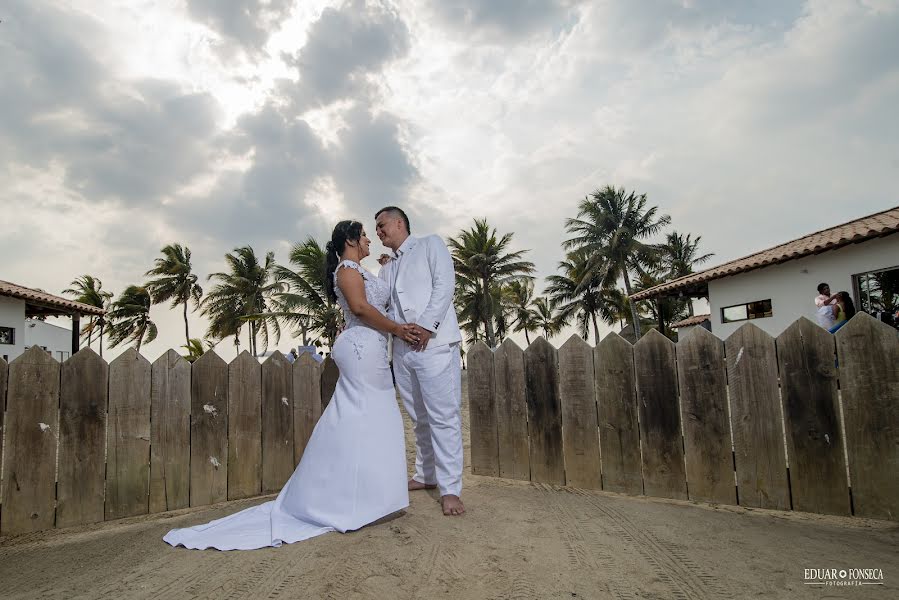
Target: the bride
pixel 353 471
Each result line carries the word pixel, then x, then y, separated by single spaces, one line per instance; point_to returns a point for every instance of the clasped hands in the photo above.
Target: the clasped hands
pixel 415 335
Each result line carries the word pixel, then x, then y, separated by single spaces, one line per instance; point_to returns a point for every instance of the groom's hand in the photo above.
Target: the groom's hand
pixel 424 336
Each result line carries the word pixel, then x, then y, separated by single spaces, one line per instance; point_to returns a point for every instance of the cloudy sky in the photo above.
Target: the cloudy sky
pixel 130 124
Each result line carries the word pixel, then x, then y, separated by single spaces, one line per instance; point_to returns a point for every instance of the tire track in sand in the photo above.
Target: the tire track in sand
pixel 668 558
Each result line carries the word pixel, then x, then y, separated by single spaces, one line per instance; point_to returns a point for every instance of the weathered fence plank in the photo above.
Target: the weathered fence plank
pixel 702 378
pixel 482 407
pixel 208 430
pixel 660 431
pixel 128 436
pixel 307 401
pixel 511 411
pixel 619 430
pixel 541 365
pixel 756 418
pixel 4 377
pixel 330 375
pixel 29 489
pixel 805 356
pixel 580 436
pixel 169 433
pixel 868 353
pixel 277 422
pixel 244 427
pixel 83 396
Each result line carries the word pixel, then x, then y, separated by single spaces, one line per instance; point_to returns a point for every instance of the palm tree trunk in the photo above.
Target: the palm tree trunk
pixel 526 337
pixel 635 318
pixel 488 318
pixel 90 331
pixel 140 339
pixel 595 328
pixel 186 332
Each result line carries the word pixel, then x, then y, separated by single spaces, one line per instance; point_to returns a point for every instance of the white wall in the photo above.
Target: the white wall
pixel 12 314
pixel 58 340
pixel 791 286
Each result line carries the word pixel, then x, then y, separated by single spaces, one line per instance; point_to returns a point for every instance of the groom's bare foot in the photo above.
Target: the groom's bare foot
pixel 417 485
pixel 452 505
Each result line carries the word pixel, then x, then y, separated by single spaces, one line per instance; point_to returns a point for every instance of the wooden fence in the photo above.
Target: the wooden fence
pixel 750 421
pixel 87 442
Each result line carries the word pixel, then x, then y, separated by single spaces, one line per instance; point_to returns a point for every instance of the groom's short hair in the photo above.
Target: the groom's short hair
pixel 396 212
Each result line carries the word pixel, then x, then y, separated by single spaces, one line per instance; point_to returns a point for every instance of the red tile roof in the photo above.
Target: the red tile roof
pixel 694 320
pixel 13 290
pixel 876 225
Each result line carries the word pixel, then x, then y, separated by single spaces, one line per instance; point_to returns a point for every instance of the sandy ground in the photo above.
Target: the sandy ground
pixel 518 540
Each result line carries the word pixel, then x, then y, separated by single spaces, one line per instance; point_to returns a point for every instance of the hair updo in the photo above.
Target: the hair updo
pixel 345 231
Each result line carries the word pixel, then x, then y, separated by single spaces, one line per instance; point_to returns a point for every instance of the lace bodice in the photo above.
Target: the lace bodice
pixel 377 292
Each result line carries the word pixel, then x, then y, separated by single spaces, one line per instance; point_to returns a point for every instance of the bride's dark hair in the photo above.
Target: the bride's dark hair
pixel 345 231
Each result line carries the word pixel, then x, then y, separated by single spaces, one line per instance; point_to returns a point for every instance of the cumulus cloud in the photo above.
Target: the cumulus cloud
pixel 242 24
pixel 504 20
pixel 346 48
pixel 723 113
pixel 131 141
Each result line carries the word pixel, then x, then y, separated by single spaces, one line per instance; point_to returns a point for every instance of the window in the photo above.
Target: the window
pixel 751 310
pixel 7 335
pixel 877 293
pixel 63 355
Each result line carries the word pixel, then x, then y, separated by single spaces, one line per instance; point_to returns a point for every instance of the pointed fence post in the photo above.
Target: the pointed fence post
pixel 208 430
pixel 868 351
pixel 277 422
pixel 83 400
pixel 511 411
pixel 541 362
pixel 619 429
pixel 702 379
pixel 756 417
pixel 29 487
pixel 482 411
pixel 579 431
pixel 128 437
pixel 244 427
pixel 660 430
pixel 808 381
pixel 169 433
pixel 4 378
pixel 307 401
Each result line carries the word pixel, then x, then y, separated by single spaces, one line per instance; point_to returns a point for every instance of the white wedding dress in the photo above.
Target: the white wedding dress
pixel 353 471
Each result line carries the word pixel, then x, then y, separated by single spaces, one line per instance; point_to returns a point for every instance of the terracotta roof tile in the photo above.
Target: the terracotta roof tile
pixel 13 290
pixel 872 226
pixel 694 320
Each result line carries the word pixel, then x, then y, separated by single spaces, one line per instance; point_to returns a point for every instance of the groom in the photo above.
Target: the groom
pixel 428 374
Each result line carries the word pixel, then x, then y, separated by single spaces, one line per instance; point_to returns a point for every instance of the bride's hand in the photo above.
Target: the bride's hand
pixel 407 333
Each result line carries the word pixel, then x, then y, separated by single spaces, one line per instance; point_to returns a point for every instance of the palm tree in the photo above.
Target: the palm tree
pixel 520 299
pixel 549 322
pixel 680 254
pixel 240 295
pixel 303 301
pixel 577 293
pixel 484 265
pixel 88 289
pixel 609 229
pixel 195 349
pixel 175 281
pixel 129 318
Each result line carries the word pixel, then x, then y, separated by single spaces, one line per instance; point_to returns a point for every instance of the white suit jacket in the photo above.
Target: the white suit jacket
pixel 423 283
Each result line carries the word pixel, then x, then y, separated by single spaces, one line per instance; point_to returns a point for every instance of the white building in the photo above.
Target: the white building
pixel 19 329
pixel 774 287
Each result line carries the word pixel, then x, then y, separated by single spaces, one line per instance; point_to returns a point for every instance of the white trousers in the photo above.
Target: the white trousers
pixel 430 385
